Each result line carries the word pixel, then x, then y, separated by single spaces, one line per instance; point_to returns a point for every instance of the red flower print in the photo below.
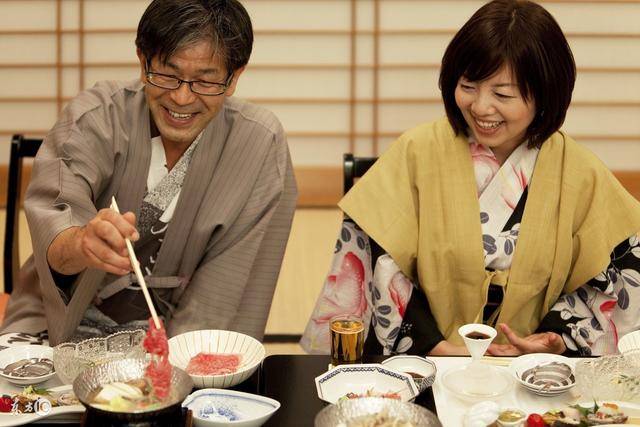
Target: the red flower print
pixel 485 165
pixel 606 308
pixel 400 291
pixel 344 292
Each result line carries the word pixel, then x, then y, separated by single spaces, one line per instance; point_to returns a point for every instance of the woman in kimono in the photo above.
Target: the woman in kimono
pixel 492 214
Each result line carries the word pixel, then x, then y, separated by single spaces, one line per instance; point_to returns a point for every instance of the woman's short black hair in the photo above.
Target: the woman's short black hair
pixel 523 36
pixel 170 25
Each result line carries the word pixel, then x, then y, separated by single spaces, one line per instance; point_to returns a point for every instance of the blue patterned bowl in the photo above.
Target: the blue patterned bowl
pixel 364 379
pixel 218 407
pixel 421 369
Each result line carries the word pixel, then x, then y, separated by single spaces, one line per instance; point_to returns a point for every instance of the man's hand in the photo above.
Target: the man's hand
pixel 546 342
pixel 99 244
pixel 445 348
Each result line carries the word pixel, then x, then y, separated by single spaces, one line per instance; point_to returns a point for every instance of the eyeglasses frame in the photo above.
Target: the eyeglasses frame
pixel 190 83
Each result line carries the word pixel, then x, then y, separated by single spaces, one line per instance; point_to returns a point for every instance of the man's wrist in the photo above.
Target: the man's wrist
pixel 65 254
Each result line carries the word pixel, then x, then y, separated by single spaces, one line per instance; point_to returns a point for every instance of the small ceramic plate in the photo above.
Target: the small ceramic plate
pixel 218 407
pixel 60 414
pixel 13 354
pixel 421 369
pixel 544 374
pixel 362 379
pixel 474 382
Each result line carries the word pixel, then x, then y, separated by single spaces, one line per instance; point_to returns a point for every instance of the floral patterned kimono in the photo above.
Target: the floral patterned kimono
pixel 365 281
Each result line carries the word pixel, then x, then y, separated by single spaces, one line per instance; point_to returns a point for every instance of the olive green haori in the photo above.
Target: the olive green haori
pixel 420 203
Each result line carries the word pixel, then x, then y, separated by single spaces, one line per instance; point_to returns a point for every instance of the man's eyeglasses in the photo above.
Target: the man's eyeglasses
pixel 200 87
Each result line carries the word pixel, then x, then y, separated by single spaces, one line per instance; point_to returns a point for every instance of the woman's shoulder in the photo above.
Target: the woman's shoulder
pixel 427 137
pixel 577 155
pixel 434 131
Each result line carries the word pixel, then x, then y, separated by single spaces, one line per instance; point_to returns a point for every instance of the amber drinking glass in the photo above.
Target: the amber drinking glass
pixel 347 339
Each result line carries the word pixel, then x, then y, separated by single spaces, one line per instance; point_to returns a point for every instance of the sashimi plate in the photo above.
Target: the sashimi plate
pixel 631 410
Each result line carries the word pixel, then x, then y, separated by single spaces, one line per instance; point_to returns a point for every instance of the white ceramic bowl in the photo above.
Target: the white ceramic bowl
pixel 414 364
pixel 221 408
pixel 552 382
pixel 629 342
pixel 13 354
pixel 362 378
pixel 185 346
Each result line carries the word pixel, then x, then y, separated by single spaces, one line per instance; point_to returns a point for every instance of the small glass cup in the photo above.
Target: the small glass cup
pixel 347 339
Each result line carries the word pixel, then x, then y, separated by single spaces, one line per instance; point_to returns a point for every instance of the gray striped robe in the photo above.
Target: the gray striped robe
pixel 225 243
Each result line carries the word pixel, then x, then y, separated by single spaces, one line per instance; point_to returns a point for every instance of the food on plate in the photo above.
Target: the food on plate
pixel 415 375
pixel 607 413
pixel 33 367
pixel 31 398
pixel 371 393
pixel 535 420
pixel 568 416
pixel 130 396
pixel 213 364
pixel 159 370
pixel 511 416
pixel 377 420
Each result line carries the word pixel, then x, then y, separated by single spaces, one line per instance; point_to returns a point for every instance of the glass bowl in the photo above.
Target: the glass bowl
pixel 355 410
pixel 86 384
pixel 72 358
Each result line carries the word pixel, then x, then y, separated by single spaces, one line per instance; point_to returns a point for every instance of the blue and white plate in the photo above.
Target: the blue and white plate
pixel 219 407
pixel 362 379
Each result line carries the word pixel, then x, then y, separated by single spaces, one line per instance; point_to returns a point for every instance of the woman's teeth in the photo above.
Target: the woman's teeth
pixel 488 125
pixel 179 116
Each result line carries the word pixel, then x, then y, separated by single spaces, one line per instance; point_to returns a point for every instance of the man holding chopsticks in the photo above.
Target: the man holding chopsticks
pixel 203 180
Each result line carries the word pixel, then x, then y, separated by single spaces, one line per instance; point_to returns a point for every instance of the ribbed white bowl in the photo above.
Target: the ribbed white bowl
pixel 629 342
pixel 185 346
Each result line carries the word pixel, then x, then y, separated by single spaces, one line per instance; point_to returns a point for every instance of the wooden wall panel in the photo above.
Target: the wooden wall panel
pixel 342 75
pixel 319 187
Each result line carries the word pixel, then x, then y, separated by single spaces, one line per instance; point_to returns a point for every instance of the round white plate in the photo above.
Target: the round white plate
pixel 529 361
pixel 13 354
pixel 477 382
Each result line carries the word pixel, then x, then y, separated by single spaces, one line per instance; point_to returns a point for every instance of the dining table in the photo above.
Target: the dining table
pixel 290 379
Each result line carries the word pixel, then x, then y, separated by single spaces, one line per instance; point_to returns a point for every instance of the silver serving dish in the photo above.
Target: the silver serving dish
pixel 124 370
pixel 348 411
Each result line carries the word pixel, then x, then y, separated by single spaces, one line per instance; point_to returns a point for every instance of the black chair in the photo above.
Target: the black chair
pixel 354 167
pixel 21 147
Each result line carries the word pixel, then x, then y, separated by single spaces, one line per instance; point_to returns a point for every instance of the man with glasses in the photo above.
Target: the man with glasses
pixel 205 181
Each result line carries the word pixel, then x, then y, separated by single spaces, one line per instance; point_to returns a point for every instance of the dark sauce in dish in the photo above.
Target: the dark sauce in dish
pixel 475 335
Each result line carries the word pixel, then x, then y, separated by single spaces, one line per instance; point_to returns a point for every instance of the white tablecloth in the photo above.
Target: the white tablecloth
pixel 451 410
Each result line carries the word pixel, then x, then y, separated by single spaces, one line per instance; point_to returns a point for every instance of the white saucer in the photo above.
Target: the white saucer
pixel 480 381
